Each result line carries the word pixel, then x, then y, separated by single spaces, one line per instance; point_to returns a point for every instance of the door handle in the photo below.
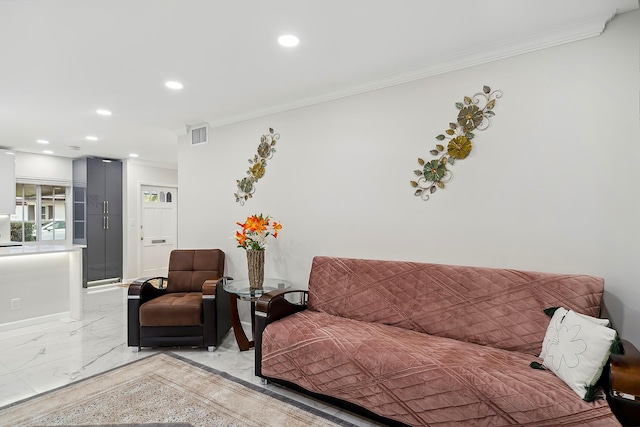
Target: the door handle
pixel 107 223
pixel 107 207
pixel 159 241
pixel 104 222
pixel 104 206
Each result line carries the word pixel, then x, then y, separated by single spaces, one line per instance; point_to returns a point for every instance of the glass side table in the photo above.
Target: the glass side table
pixel 240 290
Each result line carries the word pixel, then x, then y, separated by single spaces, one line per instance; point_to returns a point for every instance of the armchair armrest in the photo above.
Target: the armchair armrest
pixel 142 289
pixel 624 384
pixel 273 305
pixel 209 286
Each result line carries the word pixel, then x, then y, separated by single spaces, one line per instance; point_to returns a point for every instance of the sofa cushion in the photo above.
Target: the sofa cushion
pixel 576 349
pixel 490 306
pixel 417 378
pixel 173 309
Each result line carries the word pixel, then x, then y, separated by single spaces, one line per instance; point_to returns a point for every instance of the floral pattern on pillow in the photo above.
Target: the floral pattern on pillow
pixel 553 326
pixel 566 347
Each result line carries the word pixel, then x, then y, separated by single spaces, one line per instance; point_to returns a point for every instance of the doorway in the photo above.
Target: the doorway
pixel 158 229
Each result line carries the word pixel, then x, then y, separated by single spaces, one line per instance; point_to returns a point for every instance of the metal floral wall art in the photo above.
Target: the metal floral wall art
pixel 266 149
pixel 475 114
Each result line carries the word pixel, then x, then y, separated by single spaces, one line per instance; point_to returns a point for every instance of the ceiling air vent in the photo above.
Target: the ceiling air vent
pixel 199 134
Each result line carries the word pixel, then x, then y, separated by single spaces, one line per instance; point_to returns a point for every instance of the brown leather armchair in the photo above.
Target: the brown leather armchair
pixel 192 309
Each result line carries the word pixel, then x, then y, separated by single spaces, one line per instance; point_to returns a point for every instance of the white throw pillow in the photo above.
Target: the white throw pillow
pixel 550 331
pixel 577 349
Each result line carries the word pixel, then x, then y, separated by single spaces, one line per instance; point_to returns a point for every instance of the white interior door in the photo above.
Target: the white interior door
pixel 158 229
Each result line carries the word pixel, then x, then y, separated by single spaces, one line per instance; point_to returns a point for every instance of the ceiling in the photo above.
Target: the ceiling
pixel 61 60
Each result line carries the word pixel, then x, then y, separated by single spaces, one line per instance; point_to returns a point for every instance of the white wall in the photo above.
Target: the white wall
pixel 550 186
pixel 137 174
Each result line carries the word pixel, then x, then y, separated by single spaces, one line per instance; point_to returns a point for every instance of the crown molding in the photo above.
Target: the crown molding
pixel 150 163
pixel 580 29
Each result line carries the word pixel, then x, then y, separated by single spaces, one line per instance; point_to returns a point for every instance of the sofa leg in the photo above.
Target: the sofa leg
pixel 136 349
pixel 211 348
pixel 264 381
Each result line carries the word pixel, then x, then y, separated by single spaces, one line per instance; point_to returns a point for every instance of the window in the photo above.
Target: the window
pixel 49 201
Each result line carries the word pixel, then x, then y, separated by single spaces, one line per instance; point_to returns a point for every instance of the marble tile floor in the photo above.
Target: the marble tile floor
pixel 42 357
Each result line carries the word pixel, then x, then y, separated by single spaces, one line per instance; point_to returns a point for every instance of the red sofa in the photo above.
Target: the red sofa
pixel 416 344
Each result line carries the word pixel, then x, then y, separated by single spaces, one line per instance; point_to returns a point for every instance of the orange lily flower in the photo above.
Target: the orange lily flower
pixel 241 238
pixel 276 227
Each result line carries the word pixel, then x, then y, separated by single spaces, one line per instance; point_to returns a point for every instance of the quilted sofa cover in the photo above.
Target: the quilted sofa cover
pixel 436 345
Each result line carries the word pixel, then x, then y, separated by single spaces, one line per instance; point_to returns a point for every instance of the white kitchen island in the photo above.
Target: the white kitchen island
pixel 40 282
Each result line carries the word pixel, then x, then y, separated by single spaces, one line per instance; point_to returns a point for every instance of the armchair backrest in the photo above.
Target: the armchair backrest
pixel 188 269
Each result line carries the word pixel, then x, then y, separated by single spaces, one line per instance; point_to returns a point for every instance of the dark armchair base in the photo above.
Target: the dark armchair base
pixel 163 336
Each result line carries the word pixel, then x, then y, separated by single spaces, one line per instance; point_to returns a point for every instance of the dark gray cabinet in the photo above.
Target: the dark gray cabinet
pixel 97 222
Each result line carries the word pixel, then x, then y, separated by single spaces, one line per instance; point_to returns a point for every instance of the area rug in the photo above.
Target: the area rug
pixel 163 390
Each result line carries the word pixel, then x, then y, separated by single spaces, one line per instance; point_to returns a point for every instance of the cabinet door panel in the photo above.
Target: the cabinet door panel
pixel 96 249
pixel 113 187
pixel 95 187
pixel 113 245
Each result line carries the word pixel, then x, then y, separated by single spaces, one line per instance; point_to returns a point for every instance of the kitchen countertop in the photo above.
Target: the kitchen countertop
pixel 38 248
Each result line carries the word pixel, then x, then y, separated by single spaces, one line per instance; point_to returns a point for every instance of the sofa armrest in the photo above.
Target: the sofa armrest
pixel 273 305
pixel 625 371
pixel 269 308
pixel 624 384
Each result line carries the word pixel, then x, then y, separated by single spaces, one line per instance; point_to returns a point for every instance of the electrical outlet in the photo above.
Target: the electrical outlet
pixel 15 304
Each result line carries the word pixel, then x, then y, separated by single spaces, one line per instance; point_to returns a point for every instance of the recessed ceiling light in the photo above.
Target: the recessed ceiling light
pixel 48 152
pixel 92 138
pixel 173 85
pixel 42 141
pixel 288 40
pixel 133 155
pixel 10 153
pixel 104 112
